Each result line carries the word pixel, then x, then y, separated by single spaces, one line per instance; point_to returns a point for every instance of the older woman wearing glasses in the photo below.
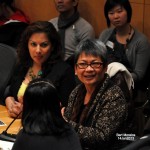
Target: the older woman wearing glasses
pixel 97 108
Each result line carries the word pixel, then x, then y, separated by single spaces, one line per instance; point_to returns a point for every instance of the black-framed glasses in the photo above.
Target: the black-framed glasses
pixel 93 65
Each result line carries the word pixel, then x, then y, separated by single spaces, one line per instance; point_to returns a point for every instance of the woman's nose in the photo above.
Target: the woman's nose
pixel 116 15
pixel 38 49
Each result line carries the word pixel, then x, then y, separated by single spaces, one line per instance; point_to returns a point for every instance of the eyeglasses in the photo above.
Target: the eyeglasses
pixel 93 65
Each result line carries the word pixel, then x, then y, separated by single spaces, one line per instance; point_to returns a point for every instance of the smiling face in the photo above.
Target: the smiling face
pixel 90 76
pixel 39 48
pixel 118 16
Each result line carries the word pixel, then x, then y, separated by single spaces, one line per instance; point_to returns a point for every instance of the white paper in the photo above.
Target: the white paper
pixel 4 145
pixel 2 123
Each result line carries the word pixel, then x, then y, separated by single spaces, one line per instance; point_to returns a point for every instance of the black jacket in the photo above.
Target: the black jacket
pixel 60 73
pixel 26 141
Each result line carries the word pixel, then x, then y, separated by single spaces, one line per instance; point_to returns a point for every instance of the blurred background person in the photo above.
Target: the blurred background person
pixel 12 23
pixel 39 56
pixel 128 46
pixel 125 44
pixel 9 13
pixel 71 27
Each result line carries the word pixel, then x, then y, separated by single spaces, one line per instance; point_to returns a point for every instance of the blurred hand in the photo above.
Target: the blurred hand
pixel 13 107
pixel 20 99
pixel 62 113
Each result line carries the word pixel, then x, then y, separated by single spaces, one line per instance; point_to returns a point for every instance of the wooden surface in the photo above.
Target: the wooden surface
pixel 14 128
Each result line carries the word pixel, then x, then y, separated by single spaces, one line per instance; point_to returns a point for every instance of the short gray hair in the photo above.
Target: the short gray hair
pixel 92 47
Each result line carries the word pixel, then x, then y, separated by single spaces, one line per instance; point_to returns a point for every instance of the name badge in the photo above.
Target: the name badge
pixel 110 44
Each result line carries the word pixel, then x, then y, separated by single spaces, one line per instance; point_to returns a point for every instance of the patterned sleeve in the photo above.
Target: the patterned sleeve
pixel 106 123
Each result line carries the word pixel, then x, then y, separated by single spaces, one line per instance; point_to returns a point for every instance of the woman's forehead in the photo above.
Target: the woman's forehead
pixel 84 55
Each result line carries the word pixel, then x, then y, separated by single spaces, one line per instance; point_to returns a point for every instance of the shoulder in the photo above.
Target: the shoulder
pixel 113 97
pixel 140 41
pixel 112 90
pixel 84 26
pixel 19 16
pixel 81 30
pixel 105 34
pixel 54 21
pixel 19 71
pixel 139 36
pixel 115 89
pixel 20 137
pixel 82 21
pixel 108 30
pixel 75 92
pixel 112 86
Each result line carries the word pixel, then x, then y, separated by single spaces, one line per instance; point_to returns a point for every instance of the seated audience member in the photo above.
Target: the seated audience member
pixel 97 108
pixel 43 125
pixel 71 27
pixel 39 56
pixel 125 44
pixel 128 46
pixel 12 23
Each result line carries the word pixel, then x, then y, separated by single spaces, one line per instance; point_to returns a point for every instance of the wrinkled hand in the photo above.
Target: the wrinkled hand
pixel 14 108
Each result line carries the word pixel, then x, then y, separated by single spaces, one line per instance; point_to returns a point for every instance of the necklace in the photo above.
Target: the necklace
pixel 129 34
pixel 33 76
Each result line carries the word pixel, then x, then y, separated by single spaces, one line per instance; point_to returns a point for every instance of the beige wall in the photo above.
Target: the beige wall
pixel 92 11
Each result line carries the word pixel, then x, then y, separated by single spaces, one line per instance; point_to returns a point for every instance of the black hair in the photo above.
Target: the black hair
pixel 8 3
pixel 41 109
pixel 92 47
pixel 112 3
pixel 46 27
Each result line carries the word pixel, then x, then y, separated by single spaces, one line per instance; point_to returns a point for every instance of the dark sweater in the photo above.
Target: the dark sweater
pixel 61 75
pixel 25 141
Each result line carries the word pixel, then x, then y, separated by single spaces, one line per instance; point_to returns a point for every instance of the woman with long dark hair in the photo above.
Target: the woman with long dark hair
pixel 39 56
pixel 42 122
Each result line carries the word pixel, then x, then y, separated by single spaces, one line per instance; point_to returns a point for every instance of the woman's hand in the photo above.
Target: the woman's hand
pixel 14 108
pixel 20 99
pixel 62 113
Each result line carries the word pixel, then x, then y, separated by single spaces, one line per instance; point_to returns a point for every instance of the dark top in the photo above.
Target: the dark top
pixel 103 120
pixel 25 141
pixel 137 51
pixel 60 74
pixel 118 52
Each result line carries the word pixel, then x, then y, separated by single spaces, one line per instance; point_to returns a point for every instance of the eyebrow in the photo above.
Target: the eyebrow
pixel 41 42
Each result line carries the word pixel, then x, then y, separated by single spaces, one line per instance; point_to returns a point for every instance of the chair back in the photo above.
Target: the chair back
pixel 8 57
pixel 141 144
